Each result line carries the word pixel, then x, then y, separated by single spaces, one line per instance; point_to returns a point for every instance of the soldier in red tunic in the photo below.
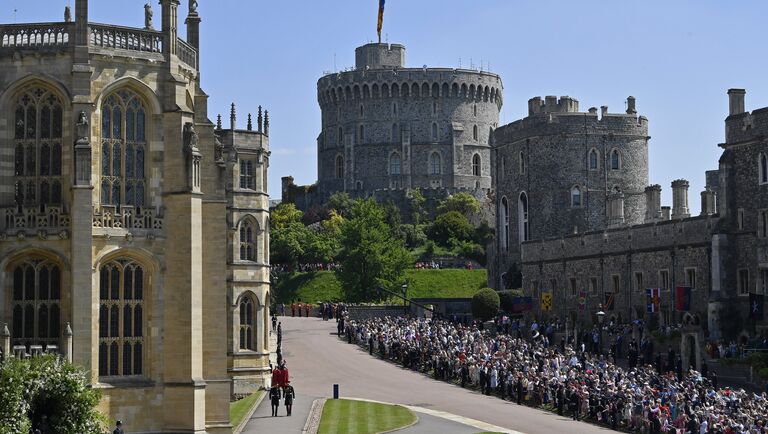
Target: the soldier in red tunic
pixel 301 306
pixel 306 309
pixel 293 309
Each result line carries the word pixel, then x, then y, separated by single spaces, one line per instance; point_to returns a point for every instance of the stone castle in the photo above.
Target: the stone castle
pixel 568 190
pixel 387 128
pixel 134 232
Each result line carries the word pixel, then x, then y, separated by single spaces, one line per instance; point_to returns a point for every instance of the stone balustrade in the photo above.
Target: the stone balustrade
pixel 186 53
pixel 125 38
pixel 129 218
pixel 24 219
pixel 36 36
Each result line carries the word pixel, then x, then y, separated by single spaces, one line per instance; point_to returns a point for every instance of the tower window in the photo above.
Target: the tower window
pixel 615 160
pixel 434 132
pixel 593 159
pixel 522 163
pixel 476 165
pixel 247 324
pixel 340 138
pixel 434 164
pixel 576 197
pixel 763 168
pixel 504 224
pixel 247 241
pixel 339 167
pixel 474 133
pixel 522 208
pixel 395 133
pixel 394 164
pixel 246 174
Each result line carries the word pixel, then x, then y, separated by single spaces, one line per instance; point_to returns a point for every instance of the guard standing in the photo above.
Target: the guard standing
pixel 274 397
pixel 289 395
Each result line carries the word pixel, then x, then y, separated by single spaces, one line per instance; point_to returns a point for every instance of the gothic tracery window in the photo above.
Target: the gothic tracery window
pixel 247 324
pixel 394 164
pixel 763 168
pixel 434 164
pixel 36 298
pixel 593 159
pixel 476 168
pixel 121 318
pixel 123 149
pixel 247 241
pixel 37 148
pixel 615 160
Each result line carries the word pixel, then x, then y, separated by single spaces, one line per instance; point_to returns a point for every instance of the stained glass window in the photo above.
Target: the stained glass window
pixel 123 144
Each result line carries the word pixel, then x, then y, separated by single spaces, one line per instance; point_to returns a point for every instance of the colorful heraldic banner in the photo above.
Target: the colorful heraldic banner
pixel 756 305
pixel 683 298
pixel 546 301
pixel 654 299
pixel 610 299
pixel 582 300
pixel 380 23
pixel 522 304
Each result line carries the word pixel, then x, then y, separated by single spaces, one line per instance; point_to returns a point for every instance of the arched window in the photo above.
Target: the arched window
pixel 575 196
pixel 340 138
pixel 522 216
pixel 474 132
pixel 476 165
pixel 246 174
pixel 122 284
pixel 339 167
pixel 434 164
pixel 37 148
pixel 361 110
pixel 434 107
pixel 593 159
pixel 247 324
pixel 36 299
pixel 763 168
pixel 395 133
pixel 615 160
pixel 247 241
pixel 474 110
pixel 123 149
pixel 394 164
pixel 522 163
pixel 434 132
pixel 504 224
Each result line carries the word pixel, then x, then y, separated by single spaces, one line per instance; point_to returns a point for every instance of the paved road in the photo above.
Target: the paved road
pixel 317 359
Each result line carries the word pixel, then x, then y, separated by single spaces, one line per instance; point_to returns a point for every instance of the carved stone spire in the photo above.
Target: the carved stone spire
pixel 232 117
pixel 266 122
pixel 250 123
pixel 218 121
pixel 260 121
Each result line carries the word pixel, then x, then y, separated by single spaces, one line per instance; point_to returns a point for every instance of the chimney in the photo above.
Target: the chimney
pixel 708 202
pixel 603 110
pixel 593 110
pixel 736 101
pixel 652 203
pixel 550 104
pixel 631 110
pixel 665 211
pixel 680 199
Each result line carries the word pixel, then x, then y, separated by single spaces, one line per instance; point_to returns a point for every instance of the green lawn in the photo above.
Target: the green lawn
pixel 360 417
pixel 323 286
pixel 239 409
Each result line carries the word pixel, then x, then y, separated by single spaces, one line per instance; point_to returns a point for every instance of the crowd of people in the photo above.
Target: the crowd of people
pixel 653 395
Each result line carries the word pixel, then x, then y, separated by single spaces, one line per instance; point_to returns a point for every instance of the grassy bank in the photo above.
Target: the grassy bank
pixel 341 416
pixel 239 409
pixel 323 286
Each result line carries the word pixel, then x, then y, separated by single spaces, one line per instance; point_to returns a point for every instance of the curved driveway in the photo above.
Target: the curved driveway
pixel 317 359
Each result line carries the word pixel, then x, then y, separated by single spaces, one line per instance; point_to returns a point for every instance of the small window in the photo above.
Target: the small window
pixel 763 281
pixel 593 159
pixel 763 166
pixel 504 224
pixel 434 107
pixel 615 160
pixel 664 279
pixel 474 110
pixel 576 197
pixel 361 110
pixel 762 224
pixel 339 167
pixel 394 108
pixel 247 241
pixel 474 132
pixel 616 283
pixel 503 167
pixel 522 163
pixel 434 164
pixel 740 218
pixel 522 216
pixel 743 281
pixel 593 285
pixel 246 174
pixel 434 132
pixel 394 164
pixel 361 134
pixel 476 165
pixel 638 281
pixel 690 277
pixel 574 287
pixel 340 138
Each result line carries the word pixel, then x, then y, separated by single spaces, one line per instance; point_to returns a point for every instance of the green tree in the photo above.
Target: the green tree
pixel 287 244
pixel 416 203
pixel 463 203
pixel 284 215
pixel 485 304
pixel 46 387
pixel 342 203
pixel 369 256
pixel 451 225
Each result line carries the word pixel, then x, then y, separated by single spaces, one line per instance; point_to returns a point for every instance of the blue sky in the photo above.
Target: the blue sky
pixel 676 57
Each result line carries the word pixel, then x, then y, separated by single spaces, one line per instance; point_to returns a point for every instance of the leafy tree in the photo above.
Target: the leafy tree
pixel 46 388
pixel 332 225
pixel 288 244
pixel 416 203
pixel 451 225
pixel 392 216
pixel 320 247
pixel 485 304
pixel 342 203
pixel 315 214
pixel 284 215
pixel 369 256
pixel 463 203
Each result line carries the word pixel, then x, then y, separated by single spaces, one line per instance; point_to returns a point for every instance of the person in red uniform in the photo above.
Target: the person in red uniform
pixel 306 309
pixel 277 375
pixel 293 309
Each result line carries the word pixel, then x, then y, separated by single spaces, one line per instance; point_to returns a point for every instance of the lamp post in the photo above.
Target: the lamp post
pixel 600 318
pixel 405 294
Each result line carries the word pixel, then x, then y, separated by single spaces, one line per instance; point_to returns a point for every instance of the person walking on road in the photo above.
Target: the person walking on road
pixel 289 395
pixel 274 397
pixel 274 323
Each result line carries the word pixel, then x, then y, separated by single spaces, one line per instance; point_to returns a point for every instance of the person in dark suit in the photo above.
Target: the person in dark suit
pixel 118 428
pixel 559 400
pixel 519 388
pixel 576 404
pixel 274 397
pixel 289 395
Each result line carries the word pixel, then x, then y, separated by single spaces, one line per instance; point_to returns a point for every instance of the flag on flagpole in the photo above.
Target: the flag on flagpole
pixel 756 306
pixel 654 299
pixel 582 300
pixel 381 19
pixel 683 298
pixel 546 301
pixel 609 301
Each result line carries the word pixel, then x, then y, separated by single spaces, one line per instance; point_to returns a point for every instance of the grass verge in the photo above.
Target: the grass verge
pixel 239 409
pixel 341 416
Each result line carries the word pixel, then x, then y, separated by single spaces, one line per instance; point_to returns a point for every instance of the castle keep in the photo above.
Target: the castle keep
pixel 133 231
pixel 387 128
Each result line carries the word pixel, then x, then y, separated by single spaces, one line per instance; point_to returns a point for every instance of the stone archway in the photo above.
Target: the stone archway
pixel 690 350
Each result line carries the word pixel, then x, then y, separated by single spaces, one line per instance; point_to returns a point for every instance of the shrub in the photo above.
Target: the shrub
pixel 485 304
pixel 451 225
pixel 507 299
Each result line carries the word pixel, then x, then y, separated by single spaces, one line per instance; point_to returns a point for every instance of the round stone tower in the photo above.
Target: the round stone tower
pixel 389 128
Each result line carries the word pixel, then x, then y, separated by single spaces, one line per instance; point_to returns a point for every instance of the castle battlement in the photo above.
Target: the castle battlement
pixel 743 126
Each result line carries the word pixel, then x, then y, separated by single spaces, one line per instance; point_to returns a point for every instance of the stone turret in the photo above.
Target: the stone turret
pixel 736 101
pixel 380 56
pixel 652 203
pixel 680 199
pixel 708 202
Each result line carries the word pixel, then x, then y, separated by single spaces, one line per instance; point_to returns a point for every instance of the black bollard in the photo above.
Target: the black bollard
pixel 335 391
